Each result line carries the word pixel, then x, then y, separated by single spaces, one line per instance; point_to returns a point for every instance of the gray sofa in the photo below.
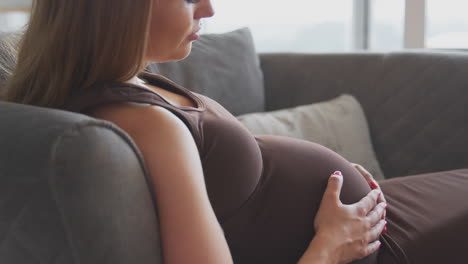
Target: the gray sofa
pixel 74 189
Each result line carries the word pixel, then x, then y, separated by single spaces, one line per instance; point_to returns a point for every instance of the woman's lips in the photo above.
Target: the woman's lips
pixel 193 36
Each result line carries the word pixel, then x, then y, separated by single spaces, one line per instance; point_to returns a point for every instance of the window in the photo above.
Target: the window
pixel 322 26
pixel 287 26
pixel 387 18
pixel 329 26
pixel 14 14
pixel 13 20
pixel 447 24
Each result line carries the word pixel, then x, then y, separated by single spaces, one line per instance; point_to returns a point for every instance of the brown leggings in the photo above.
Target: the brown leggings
pixel 428 218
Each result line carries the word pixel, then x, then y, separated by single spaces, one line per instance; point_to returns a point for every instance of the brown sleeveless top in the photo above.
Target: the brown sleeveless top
pixel 265 190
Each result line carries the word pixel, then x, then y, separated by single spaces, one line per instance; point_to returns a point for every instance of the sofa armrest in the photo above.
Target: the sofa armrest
pixel 73 189
pixel 416 102
pixel 99 184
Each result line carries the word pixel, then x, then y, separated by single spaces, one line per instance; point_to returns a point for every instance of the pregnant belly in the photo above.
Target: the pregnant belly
pixel 275 225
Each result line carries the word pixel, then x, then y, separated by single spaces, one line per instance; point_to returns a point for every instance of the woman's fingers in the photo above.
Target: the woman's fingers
pixel 373 247
pixel 364 173
pixel 375 185
pixel 335 182
pixel 368 176
pixel 377 230
pixel 366 204
pixel 372 182
pixel 376 214
pixel 372 236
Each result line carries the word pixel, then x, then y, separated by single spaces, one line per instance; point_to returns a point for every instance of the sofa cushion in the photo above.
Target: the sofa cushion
pixel 339 124
pixel 224 67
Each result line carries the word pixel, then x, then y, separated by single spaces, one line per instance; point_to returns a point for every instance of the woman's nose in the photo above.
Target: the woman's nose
pixel 205 9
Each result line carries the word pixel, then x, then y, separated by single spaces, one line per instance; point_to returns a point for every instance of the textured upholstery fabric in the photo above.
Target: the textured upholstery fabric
pixel 7 58
pixel 224 67
pixel 338 124
pixel 416 102
pixel 72 190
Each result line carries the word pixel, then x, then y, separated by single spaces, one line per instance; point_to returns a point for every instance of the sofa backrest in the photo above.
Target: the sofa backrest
pixel 416 102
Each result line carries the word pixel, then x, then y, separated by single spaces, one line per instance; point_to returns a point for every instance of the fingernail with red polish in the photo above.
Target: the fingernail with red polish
pixel 385 229
pixel 337 173
pixel 373 185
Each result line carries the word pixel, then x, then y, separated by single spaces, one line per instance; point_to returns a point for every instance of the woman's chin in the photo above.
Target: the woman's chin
pixel 187 52
pixel 183 57
pixel 176 56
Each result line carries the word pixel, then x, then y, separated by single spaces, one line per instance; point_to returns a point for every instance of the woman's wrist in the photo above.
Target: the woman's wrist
pixel 320 252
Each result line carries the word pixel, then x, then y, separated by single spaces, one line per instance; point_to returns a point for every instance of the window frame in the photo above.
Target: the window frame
pixel 361 25
pixel 414 24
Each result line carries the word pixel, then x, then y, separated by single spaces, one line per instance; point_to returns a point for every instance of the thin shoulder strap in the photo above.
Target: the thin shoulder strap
pixel 112 92
pixel 115 92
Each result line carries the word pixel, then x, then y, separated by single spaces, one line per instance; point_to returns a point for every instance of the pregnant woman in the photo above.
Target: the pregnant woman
pixel 225 195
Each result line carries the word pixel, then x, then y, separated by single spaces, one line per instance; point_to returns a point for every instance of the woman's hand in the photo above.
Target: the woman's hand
pixel 373 184
pixel 345 232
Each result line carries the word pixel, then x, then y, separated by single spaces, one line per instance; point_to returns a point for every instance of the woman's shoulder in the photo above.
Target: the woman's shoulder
pixel 143 122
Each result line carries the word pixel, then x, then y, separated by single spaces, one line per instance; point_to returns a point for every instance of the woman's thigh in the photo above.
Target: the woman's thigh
pixel 428 216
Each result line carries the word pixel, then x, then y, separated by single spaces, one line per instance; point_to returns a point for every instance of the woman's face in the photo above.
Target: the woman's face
pixel 172 26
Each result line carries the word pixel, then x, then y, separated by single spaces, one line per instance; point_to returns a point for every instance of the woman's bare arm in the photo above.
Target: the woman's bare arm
pixel 190 231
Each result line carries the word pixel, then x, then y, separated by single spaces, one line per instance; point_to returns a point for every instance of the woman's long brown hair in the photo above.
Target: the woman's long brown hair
pixel 71 44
